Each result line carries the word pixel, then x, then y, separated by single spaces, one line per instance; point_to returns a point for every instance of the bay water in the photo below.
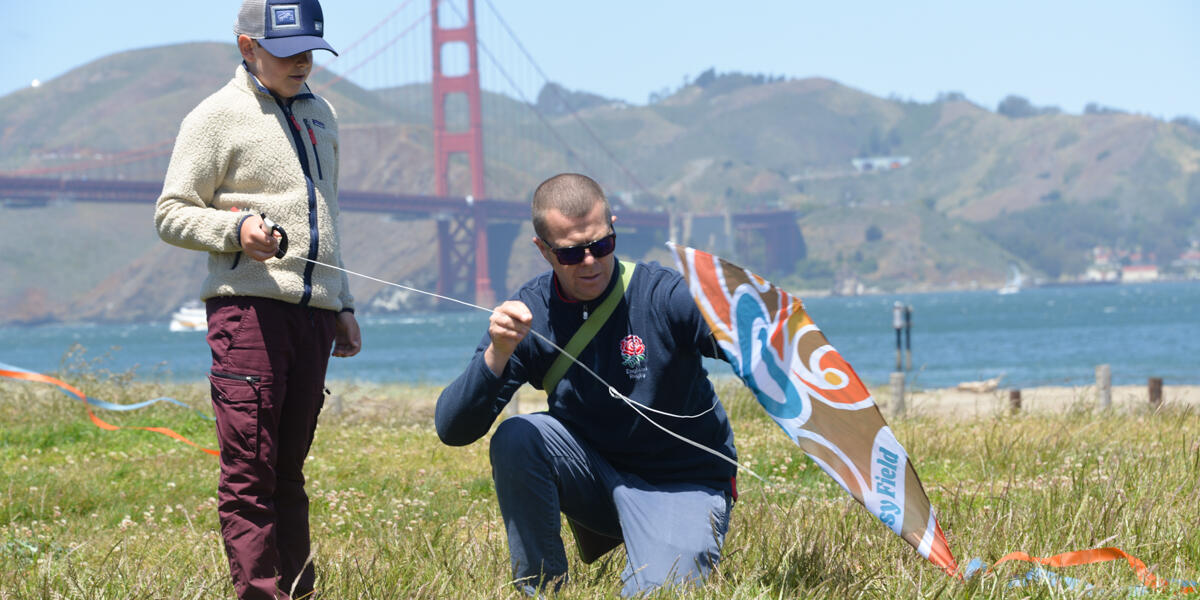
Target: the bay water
pixel 1038 337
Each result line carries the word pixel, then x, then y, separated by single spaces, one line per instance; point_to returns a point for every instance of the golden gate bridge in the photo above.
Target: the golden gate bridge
pixel 475 230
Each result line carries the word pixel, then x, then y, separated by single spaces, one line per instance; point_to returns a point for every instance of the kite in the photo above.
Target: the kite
pixel 814 395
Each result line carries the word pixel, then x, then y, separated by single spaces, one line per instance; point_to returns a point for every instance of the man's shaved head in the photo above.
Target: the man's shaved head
pixel 571 194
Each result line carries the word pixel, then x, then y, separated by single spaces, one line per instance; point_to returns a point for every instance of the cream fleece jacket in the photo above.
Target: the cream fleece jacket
pixel 236 149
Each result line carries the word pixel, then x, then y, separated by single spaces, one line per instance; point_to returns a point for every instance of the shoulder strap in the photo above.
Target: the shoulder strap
pixel 588 330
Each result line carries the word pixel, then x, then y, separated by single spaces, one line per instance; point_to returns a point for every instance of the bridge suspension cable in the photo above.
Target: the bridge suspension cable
pixel 517 89
pixel 571 109
pixel 370 57
pixel 362 37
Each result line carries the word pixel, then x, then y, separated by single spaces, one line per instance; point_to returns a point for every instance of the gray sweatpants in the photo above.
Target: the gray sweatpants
pixel 672 532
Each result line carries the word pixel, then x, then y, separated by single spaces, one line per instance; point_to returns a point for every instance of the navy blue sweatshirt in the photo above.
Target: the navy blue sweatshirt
pixel 649 350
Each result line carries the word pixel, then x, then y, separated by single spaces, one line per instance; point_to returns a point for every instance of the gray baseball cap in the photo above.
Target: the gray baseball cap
pixel 284 27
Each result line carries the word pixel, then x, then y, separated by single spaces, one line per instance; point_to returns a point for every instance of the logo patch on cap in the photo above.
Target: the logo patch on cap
pixel 285 17
pixel 319 26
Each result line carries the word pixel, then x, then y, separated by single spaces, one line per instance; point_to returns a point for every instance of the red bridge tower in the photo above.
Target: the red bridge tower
pixel 458 235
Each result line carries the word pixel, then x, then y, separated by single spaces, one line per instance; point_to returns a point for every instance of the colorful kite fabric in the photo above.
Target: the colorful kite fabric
pixel 814 395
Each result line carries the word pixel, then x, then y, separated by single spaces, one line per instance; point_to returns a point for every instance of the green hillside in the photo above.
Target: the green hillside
pixel 1045 188
pixel 979 191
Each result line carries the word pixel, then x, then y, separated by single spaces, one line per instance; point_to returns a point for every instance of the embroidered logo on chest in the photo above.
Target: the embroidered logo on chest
pixel 633 356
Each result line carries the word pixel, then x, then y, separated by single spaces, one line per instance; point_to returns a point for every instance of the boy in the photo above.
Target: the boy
pixel 265 145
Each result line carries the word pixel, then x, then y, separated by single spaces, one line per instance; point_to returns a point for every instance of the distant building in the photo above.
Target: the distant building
pixel 1137 257
pixel 879 163
pixel 1100 273
pixel 1190 258
pixel 1139 273
pixel 1102 256
pixel 1188 262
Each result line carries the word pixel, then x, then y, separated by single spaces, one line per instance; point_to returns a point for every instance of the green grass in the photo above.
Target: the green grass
pixel 88 513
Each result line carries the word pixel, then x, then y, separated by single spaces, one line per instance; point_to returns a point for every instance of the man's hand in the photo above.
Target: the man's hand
pixel 508 325
pixel 257 242
pixel 348 340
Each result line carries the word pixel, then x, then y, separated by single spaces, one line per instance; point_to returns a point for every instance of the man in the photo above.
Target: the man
pixel 265 145
pixel 614 474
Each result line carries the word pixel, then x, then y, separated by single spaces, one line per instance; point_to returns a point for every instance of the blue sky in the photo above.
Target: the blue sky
pixel 1137 56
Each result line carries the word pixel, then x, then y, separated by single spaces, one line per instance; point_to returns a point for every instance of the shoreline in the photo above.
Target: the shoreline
pixel 960 404
pixel 802 293
pixel 416 401
pixel 354 398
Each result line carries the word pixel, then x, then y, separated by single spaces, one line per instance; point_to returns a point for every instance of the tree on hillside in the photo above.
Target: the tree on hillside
pixel 718 83
pixel 1094 108
pixel 706 78
pixel 1037 236
pixel 879 145
pixel 1187 121
pixel 1016 107
pixel 874 233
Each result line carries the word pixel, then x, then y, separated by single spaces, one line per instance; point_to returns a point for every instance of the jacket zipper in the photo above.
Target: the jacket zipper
pixel 251 379
pixel 313 232
pixel 312 137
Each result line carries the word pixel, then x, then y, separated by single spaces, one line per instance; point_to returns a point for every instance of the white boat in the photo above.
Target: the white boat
pixel 190 317
pixel 1013 285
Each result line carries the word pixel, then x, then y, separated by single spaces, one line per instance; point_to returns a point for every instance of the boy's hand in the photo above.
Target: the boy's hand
pixel 257 242
pixel 348 340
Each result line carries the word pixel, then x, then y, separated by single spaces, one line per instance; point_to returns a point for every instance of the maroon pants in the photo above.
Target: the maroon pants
pixel 268 377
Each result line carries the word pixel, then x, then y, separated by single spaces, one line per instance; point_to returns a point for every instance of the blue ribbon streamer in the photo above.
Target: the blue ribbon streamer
pixel 976 567
pixel 109 405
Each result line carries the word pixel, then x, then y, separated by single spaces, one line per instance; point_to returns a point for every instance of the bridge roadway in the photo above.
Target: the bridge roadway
pixel 772 237
pixel 470 230
pixel 37 190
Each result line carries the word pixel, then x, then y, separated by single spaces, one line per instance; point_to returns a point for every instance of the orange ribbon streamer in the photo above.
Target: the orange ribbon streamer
pixel 39 378
pixel 1096 555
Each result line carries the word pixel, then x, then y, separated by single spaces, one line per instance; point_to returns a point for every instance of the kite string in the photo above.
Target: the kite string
pixel 633 404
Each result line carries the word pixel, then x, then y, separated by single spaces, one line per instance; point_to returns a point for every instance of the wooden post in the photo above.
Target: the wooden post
pixel 908 311
pixel 730 235
pixel 1156 392
pixel 898 394
pixel 1014 401
pixel 1104 386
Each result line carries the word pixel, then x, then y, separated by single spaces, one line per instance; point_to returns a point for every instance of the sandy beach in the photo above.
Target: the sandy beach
pixel 417 402
pixel 960 404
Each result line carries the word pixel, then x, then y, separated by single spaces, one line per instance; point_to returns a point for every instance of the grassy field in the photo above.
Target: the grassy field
pixel 89 513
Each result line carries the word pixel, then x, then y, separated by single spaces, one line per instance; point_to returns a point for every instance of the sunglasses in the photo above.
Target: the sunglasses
pixel 574 255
